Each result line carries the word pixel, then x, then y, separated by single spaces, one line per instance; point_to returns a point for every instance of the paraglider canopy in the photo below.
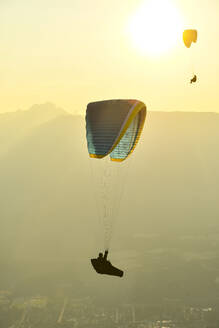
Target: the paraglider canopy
pixel 189 36
pixel 114 127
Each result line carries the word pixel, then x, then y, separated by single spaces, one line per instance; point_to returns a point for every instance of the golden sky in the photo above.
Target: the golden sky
pixel 71 52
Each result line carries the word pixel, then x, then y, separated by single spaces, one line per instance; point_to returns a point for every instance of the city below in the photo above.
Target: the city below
pixel 62 311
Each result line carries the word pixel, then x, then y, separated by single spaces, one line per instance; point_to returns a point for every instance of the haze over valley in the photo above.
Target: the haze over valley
pixel 166 233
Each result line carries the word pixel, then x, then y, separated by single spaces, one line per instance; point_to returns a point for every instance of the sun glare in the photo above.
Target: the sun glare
pixel 156 27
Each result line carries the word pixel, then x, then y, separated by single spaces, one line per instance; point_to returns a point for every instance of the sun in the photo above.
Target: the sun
pixel 156 27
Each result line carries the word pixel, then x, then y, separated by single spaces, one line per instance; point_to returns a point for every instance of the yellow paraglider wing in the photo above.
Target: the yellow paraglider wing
pixel 189 36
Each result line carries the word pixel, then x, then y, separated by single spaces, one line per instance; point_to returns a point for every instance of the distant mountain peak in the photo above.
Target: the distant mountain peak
pixel 48 108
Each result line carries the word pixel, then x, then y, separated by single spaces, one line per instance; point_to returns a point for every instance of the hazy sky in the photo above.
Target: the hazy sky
pixel 71 52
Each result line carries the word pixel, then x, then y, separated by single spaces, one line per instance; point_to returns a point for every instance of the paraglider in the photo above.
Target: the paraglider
pixel 194 79
pixel 189 37
pixel 113 129
pixel 102 266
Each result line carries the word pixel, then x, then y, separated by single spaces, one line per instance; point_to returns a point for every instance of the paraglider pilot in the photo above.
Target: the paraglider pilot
pixel 102 266
pixel 194 79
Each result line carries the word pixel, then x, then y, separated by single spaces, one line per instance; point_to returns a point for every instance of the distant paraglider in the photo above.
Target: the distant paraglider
pixel 194 79
pixel 190 36
pixel 102 266
pixel 113 128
